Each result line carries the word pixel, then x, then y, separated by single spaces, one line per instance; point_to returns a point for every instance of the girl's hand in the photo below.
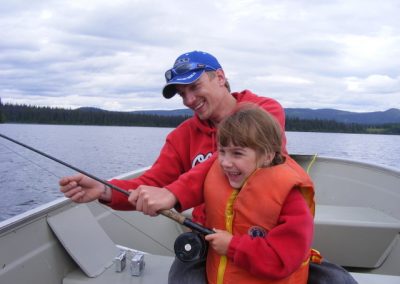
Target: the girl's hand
pixel 219 241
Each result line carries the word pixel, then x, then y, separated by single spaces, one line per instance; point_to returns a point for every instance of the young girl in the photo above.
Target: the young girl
pixel 259 202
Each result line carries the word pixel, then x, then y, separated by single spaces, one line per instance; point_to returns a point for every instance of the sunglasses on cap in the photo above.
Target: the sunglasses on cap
pixel 184 68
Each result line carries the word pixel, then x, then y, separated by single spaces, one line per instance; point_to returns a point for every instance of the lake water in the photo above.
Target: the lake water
pixel 28 179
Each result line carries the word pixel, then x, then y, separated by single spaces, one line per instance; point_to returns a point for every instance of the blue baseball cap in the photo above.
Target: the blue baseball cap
pixel 187 69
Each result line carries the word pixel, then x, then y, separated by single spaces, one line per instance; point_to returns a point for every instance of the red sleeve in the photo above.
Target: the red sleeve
pixel 167 168
pixel 284 248
pixel 188 189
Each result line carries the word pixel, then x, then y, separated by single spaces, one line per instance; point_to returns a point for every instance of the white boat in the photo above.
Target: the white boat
pixel 357 226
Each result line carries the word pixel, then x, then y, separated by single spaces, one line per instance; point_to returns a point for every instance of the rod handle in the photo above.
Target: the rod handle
pixel 177 217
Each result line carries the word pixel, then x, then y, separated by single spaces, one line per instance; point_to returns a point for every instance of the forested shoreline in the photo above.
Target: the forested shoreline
pixel 85 116
pixel 14 113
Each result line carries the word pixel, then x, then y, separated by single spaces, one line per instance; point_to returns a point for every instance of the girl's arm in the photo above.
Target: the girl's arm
pixel 283 249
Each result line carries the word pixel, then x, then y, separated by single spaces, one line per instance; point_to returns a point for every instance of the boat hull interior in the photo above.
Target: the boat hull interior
pixel 357 225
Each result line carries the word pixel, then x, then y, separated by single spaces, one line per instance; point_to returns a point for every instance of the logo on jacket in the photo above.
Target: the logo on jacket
pixel 200 158
pixel 256 231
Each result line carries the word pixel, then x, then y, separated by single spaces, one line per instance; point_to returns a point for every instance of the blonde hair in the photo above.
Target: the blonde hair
pixel 252 127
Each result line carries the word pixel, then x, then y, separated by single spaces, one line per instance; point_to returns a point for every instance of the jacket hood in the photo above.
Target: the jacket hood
pixel 204 126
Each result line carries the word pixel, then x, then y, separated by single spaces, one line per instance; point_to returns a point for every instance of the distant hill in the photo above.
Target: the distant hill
pixel 378 117
pixel 174 112
pixel 90 109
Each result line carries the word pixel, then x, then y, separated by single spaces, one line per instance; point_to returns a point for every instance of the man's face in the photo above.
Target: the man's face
pixel 204 96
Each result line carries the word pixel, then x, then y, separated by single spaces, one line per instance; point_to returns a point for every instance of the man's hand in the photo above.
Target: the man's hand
pixel 151 199
pixel 81 189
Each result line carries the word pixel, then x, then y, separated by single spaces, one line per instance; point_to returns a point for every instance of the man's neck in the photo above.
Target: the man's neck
pixel 226 108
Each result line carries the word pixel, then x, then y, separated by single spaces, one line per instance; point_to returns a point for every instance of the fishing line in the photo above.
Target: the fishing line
pixel 113 212
pixel 67 165
pixel 167 213
pixel 26 158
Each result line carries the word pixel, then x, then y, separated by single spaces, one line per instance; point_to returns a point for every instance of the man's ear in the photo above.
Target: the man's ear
pixel 221 77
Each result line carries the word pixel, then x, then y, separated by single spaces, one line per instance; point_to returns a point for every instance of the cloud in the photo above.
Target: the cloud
pixel 373 84
pixel 113 54
pixel 276 79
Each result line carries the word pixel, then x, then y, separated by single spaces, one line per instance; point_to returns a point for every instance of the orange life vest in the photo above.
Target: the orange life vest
pixel 263 194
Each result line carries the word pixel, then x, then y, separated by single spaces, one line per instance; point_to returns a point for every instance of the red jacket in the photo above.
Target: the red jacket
pixel 190 144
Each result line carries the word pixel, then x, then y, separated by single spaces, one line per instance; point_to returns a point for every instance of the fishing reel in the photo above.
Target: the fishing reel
pixel 190 246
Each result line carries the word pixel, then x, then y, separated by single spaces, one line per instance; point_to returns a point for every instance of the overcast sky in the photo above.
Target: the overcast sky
pixel 113 54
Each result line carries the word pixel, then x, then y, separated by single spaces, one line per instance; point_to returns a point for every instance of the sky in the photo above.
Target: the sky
pixel 113 54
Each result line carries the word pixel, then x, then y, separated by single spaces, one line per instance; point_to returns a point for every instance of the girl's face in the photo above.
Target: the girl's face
pixel 238 163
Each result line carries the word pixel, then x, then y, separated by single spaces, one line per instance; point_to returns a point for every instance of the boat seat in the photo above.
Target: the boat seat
pixel 370 278
pixel 354 236
pixel 84 239
pixel 94 252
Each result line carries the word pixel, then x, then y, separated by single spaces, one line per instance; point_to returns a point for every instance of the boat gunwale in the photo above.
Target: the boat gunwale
pixel 42 210
pixel 366 164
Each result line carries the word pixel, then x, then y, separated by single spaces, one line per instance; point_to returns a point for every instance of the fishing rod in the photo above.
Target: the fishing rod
pixel 175 216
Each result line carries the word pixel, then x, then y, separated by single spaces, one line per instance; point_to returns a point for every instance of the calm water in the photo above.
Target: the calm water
pixel 28 180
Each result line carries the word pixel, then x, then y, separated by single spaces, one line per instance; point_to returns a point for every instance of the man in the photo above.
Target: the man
pixel 200 81
pixel 185 158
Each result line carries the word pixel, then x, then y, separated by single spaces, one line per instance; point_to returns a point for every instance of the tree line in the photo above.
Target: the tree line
pixel 1 112
pixel 16 113
pixel 319 125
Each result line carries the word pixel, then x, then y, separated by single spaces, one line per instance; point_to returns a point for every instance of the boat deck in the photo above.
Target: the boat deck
pixel 155 271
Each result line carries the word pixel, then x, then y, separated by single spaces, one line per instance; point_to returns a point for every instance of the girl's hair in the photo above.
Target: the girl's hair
pixel 252 127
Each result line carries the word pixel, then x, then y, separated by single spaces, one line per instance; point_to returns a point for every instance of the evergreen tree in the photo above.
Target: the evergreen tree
pixel 1 112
